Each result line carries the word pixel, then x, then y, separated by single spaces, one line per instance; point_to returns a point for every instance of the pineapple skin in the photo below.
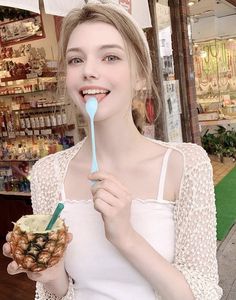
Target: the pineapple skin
pixel 36 252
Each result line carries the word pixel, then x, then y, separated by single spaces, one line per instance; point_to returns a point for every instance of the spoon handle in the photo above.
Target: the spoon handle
pixel 94 167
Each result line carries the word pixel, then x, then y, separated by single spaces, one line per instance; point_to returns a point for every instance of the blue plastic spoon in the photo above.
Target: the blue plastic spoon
pixel 91 108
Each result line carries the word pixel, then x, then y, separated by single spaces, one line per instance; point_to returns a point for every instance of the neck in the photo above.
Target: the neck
pixel 115 139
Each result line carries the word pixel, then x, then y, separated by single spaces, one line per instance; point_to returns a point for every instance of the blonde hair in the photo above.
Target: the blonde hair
pixel 134 40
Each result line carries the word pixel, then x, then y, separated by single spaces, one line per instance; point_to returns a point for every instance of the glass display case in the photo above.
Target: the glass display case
pixel 215 78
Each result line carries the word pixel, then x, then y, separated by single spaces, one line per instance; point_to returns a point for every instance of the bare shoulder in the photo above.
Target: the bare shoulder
pixel 189 154
pixel 193 154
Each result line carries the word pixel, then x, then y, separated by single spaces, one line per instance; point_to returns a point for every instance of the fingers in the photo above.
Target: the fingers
pixel 13 268
pixel 102 207
pixel 111 186
pixel 6 250
pixel 69 237
pixel 110 194
pixel 102 177
pixel 107 198
pixel 8 236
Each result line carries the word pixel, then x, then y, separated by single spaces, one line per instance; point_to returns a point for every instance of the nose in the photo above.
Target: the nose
pixel 90 70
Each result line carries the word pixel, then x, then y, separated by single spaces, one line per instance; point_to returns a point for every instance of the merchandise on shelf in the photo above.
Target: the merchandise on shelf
pixel 33 124
pixel 32 113
pixel 215 77
pixel 18 157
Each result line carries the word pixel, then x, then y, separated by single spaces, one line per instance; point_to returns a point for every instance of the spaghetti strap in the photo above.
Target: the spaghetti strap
pixel 63 194
pixel 160 195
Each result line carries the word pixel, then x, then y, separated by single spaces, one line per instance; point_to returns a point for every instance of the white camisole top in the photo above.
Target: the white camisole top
pixel 99 271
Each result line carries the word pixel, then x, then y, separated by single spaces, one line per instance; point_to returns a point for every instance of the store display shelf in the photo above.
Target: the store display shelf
pixel 44 75
pixel 17 160
pixel 7 79
pixel 209 101
pixel 68 127
pixel 40 107
pixel 217 122
pixel 25 93
pixel 15 193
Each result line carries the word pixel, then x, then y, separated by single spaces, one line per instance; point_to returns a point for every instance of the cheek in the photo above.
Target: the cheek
pixel 122 77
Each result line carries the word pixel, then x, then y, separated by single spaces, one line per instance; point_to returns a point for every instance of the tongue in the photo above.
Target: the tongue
pixel 99 97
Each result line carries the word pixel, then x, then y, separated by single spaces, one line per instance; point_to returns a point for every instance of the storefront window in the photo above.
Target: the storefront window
pixel 215 76
pixel 214 52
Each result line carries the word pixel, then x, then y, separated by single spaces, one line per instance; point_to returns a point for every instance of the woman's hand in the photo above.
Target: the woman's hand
pixel 113 201
pixel 45 276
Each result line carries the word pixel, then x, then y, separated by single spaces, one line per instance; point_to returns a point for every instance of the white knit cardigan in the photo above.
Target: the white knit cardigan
pixel 194 215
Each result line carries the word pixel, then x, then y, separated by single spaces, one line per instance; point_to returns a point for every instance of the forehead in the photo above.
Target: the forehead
pixel 94 35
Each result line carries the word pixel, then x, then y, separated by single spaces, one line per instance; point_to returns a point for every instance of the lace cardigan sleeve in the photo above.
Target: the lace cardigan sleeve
pixel 196 228
pixel 42 189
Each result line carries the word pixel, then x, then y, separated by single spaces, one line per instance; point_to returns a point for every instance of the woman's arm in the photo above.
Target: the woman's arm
pixel 60 284
pixel 163 276
pixel 196 247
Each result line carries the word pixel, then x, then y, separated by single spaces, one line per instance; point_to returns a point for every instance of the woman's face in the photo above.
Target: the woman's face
pixel 98 65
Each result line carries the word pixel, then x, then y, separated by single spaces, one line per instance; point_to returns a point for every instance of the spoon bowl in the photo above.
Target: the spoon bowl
pixel 91 107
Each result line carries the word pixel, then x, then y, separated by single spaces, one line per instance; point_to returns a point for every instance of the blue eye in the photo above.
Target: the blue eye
pixel 74 60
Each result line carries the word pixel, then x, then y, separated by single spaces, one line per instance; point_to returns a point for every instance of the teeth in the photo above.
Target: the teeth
pixel 93 92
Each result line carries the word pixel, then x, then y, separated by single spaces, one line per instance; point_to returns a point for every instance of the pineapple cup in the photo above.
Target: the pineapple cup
pixel 34 248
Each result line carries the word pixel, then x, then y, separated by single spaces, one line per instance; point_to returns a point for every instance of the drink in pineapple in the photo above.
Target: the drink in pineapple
pixel 33 247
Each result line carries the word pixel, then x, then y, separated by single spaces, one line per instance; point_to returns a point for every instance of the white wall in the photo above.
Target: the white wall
pixel 227 26
pixel 205 28
pixel 213 27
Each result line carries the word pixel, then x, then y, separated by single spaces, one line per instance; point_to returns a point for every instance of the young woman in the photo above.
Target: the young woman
pixel 146 229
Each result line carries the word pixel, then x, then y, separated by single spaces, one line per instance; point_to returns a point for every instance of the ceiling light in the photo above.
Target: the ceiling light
pixel 191 3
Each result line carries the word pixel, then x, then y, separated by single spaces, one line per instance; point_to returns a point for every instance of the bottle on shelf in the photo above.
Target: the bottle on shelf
pixel 27 121
pixel 41 121
pixel 64 117
pixel 47 120
pixel 32 121
pixel 36 119
pixel 53 119
pixel 59 118
pixel 17 121
pixel 3 125
pixel 22 121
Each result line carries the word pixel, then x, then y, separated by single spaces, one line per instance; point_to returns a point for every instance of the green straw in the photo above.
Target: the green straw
pixel 55 216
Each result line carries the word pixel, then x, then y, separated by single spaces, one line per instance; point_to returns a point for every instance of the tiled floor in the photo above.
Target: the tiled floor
pixel 221 169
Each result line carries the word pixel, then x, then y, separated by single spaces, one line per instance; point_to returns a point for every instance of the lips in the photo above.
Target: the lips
pixel 97 92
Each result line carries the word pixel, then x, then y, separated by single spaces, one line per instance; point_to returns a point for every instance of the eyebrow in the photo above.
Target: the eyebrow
pixel 103 47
